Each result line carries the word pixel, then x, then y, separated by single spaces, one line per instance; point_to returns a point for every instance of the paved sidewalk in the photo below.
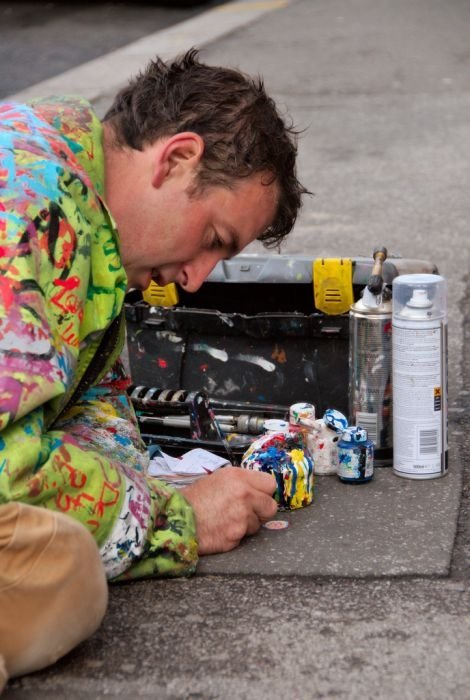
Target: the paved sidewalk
pixel 389 527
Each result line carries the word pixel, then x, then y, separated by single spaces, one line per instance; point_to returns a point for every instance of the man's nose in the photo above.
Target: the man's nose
pixel 198 270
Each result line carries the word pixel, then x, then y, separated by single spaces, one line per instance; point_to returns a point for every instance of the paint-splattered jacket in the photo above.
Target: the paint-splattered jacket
pixel 62 285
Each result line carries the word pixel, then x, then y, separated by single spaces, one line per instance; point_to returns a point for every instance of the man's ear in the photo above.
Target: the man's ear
pixel 177 156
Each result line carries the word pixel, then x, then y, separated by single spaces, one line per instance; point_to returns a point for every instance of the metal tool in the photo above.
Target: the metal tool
pixel 370 362
pixel 179 420
pixel 251 425
pixel 191 406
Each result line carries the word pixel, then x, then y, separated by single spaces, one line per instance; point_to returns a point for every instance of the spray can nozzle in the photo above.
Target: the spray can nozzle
pixel 419 299
pixel 372 294
pixel 375 283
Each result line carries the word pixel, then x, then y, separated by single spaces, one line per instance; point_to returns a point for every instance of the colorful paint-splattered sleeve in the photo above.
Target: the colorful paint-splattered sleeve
pixel 89 465
pixel 154 532
pixel 61 285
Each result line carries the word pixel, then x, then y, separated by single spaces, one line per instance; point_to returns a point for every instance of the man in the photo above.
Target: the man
pixel 190 165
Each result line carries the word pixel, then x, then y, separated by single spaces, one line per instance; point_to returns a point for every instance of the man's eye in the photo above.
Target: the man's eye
pixel 217 243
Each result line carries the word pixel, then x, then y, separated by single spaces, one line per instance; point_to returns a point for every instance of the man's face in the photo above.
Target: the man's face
pixel 182 237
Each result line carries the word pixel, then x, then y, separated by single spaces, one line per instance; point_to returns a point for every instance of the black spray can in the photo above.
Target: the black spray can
pixel 356 456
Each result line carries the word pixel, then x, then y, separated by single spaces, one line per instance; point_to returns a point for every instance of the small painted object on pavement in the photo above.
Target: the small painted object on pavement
pixel 323 441
pixel 284 455
pixel 356 456
pixel 276 525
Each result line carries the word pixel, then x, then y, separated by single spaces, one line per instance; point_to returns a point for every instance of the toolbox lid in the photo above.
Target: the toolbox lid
pixel 298 268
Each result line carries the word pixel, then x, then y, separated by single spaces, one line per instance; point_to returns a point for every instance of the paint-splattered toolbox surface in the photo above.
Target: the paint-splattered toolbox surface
pixel 253 333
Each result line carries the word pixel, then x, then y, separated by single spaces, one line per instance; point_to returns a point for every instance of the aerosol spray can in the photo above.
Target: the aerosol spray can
pixel 420 376
pixel 370 362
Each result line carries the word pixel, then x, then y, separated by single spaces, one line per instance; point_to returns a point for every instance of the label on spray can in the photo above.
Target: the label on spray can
pixel 418 398
pixel 419 382
pixel 356 456
pixel 370 374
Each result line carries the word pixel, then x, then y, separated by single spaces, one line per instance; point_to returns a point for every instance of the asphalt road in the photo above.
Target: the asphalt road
pixel 41 39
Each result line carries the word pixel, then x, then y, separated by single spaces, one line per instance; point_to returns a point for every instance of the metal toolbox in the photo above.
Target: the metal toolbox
pixel 254 335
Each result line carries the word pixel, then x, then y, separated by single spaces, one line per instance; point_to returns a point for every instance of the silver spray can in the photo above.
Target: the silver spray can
pixel 420 376
pixel 370 364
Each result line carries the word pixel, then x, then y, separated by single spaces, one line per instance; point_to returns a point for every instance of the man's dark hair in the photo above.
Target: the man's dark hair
pixel 242 130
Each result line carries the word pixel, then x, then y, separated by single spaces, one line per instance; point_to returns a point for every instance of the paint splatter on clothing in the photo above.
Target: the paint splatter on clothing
pixel 62 285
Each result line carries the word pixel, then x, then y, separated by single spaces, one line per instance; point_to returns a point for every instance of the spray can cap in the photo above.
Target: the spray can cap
pixel 354 434
pixel 335 420
pixel 419 296
pixel 301 413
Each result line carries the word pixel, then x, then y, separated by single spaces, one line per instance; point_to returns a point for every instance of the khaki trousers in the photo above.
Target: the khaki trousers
pixel 53 591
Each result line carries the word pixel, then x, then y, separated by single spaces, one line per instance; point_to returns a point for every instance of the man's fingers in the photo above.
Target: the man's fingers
pixel 230 504
pixel 253 524
pixel 257 480
pixel 258 488
pixel 265 507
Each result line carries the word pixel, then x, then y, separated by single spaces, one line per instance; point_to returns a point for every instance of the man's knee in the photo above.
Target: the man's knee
pixel 53 590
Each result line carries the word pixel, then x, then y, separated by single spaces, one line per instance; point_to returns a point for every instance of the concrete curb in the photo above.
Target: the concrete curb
pixel 106 74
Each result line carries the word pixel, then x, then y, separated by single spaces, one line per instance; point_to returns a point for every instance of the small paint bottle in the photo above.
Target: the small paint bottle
pixel 356 456
pixel 301 413
pixel 324 437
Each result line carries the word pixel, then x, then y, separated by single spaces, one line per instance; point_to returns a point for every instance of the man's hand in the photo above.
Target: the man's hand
pixel 229 504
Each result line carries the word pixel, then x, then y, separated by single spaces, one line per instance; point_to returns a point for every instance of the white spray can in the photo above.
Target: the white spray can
pixel 419 369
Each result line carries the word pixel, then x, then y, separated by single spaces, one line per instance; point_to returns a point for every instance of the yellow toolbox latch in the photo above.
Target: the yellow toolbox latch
pixel 333 285
pixel 155 295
